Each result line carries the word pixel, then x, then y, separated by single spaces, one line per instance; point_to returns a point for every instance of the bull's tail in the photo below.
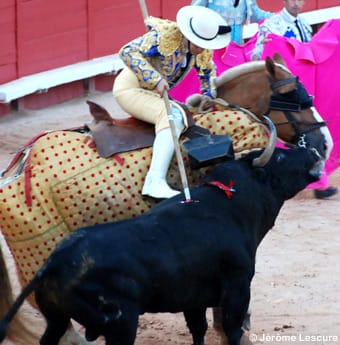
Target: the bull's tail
pixel 12 325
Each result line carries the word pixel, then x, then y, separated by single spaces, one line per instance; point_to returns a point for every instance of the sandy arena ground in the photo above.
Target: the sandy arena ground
pixel 295 292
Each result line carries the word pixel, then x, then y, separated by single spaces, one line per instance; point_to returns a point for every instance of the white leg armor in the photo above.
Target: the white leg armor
pixel 155 184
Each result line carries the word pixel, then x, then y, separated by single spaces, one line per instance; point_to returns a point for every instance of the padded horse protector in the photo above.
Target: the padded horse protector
pixel 66 184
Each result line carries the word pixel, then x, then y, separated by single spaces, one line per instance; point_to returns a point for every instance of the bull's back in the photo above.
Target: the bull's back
pixel 178 247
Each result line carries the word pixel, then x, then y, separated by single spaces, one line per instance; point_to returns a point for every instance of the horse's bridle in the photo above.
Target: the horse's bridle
pixel 293 101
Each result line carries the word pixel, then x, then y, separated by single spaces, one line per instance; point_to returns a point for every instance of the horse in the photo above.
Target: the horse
pixel 291 110
pixel 62 183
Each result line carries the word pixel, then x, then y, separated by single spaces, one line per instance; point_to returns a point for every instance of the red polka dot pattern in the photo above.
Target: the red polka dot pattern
pixel 72 186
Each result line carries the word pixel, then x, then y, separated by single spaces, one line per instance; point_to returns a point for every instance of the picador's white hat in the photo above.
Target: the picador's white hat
pixel 203 27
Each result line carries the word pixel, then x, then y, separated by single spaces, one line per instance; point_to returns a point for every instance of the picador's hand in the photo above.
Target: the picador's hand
pixel 162 86
pixel 206 104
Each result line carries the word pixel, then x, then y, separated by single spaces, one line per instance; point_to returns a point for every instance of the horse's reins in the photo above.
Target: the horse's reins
pixel 283 102
pixel 220 101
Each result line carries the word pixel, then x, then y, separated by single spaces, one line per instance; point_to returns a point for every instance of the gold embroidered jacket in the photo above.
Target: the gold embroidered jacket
pixel 161 53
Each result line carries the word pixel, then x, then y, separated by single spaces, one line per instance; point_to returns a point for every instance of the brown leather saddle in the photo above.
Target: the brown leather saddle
pixel 114 135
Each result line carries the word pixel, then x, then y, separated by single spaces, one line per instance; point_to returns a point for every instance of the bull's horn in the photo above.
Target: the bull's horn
pixel 268 151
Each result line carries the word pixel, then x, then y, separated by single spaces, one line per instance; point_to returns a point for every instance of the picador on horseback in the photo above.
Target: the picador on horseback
pixel 157 61
pixel 88 188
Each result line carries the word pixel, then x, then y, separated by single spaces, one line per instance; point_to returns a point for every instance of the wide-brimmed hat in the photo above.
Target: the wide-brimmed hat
pixel 203 27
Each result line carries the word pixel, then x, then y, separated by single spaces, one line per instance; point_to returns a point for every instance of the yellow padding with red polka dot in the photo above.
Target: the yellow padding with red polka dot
pixel 67 185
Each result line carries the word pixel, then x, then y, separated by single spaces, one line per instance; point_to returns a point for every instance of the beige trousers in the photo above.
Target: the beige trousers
pixel 145 105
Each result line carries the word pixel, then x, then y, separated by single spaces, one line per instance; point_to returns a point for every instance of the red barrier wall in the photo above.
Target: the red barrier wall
pixel 50 34
pixel 56 95
pixel 170 8
pixel 39 35
pixel 327 3
pixel 111 24
pixel 310 5
pixel 7 40
pixel 4 109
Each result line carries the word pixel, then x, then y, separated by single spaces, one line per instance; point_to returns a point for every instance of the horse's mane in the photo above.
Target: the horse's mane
pixel 234 72
pixel 247 67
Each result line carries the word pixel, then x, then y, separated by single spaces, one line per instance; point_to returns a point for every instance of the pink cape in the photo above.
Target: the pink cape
pixel 315 63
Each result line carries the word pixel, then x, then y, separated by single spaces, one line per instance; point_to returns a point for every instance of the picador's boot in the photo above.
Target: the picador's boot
pixel 155 184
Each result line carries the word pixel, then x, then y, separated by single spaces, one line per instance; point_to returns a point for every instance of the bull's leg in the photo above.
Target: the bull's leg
pixel 217 324
pixel 57 322
pixel 124 330
pixel 73 337
pixel 217 320
pixel 92 317
pixel 235 304
pixel 197 324
pixel 55 329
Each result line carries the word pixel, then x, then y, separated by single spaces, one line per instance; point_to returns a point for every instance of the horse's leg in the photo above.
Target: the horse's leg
pixel 197 323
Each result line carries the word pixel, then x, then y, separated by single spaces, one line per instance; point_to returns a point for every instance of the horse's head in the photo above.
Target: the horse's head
pixel 252 84
pixel 293 113
pixel 268 87
pixel 249 85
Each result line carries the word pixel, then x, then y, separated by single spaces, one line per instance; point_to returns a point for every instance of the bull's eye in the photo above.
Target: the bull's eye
pixel 316 153
pixel 280 157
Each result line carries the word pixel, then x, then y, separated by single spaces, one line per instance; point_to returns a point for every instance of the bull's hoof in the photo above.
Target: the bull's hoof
pixel 246 322
pixel 91 336
pixel 224 340
pixel 72 337
pixel 245 340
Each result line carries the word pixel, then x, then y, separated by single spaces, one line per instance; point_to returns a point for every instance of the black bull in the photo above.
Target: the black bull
pixel 178 257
